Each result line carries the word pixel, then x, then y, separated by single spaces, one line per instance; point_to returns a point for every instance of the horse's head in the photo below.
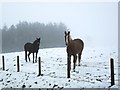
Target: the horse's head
pixel 67 37
pixel 37 41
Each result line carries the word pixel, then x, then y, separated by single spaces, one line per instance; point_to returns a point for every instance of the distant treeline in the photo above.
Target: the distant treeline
pixel 14 37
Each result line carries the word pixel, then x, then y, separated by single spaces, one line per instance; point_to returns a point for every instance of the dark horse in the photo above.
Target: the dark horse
pixel 74 47
pixel 32 48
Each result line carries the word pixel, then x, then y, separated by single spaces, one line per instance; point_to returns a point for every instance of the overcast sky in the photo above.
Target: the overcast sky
pixel 94 22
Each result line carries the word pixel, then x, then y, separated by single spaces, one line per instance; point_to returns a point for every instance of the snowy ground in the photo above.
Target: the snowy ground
pixel 94 71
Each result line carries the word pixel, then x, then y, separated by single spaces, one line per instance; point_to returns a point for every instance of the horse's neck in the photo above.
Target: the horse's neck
pixel 70 40
pixel 34 43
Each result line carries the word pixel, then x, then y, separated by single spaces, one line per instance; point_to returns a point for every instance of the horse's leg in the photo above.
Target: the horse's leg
pixel 79 58
pixel 29 56
pixel 26 56
pixel 69 58
pixel 33 57
pixel 74 61
pixel 36 57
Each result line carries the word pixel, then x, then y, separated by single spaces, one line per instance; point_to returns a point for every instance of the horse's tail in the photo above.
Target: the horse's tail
pixel 82 44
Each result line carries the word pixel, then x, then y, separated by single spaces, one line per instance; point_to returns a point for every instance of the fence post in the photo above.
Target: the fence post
pixel 3 61
pixel 18 66
pixel 112 71
pixel 68 68
pixel 39 66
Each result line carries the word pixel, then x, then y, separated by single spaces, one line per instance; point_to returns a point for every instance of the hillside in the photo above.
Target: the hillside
pixel 93 73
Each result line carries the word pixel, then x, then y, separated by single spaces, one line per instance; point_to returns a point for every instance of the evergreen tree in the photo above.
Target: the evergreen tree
pixel 14 38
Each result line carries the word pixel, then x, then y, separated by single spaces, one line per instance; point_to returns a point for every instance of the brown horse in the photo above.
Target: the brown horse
pixel 74 47
pixel 32 48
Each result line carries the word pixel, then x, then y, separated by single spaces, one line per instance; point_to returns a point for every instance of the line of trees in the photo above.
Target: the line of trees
pixel 14 37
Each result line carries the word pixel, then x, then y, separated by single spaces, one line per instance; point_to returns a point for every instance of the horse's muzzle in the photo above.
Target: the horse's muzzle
pixel 66 44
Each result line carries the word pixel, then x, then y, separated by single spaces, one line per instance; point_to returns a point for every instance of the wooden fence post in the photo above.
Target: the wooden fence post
pixel 68 68
pixel 39 66
pixel 112 71
pixel 3 61
pixel 18 66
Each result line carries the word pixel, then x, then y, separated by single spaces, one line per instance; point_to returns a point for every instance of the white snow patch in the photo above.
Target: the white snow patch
pixel 94 71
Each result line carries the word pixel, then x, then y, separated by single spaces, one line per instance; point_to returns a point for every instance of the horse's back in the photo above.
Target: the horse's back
pixel 75 47
pixel 31 47
pixel 79 42
pixel 27 46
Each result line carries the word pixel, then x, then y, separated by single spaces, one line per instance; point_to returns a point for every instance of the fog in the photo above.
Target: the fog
pixel 94 22
pixel 15 37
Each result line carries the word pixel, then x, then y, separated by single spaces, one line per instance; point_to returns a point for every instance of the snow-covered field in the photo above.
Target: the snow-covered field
pixel 94 71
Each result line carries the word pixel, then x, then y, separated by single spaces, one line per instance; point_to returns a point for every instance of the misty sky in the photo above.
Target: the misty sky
pixel 94 22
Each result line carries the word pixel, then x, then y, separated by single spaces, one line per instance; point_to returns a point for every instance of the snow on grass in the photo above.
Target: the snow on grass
pixel 94 71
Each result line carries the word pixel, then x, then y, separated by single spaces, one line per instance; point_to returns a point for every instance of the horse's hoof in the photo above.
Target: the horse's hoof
pixel 78 64
pixel 73 70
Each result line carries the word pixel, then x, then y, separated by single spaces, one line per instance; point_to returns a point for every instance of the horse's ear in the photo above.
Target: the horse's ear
pixel 68 32
pixel 65 32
